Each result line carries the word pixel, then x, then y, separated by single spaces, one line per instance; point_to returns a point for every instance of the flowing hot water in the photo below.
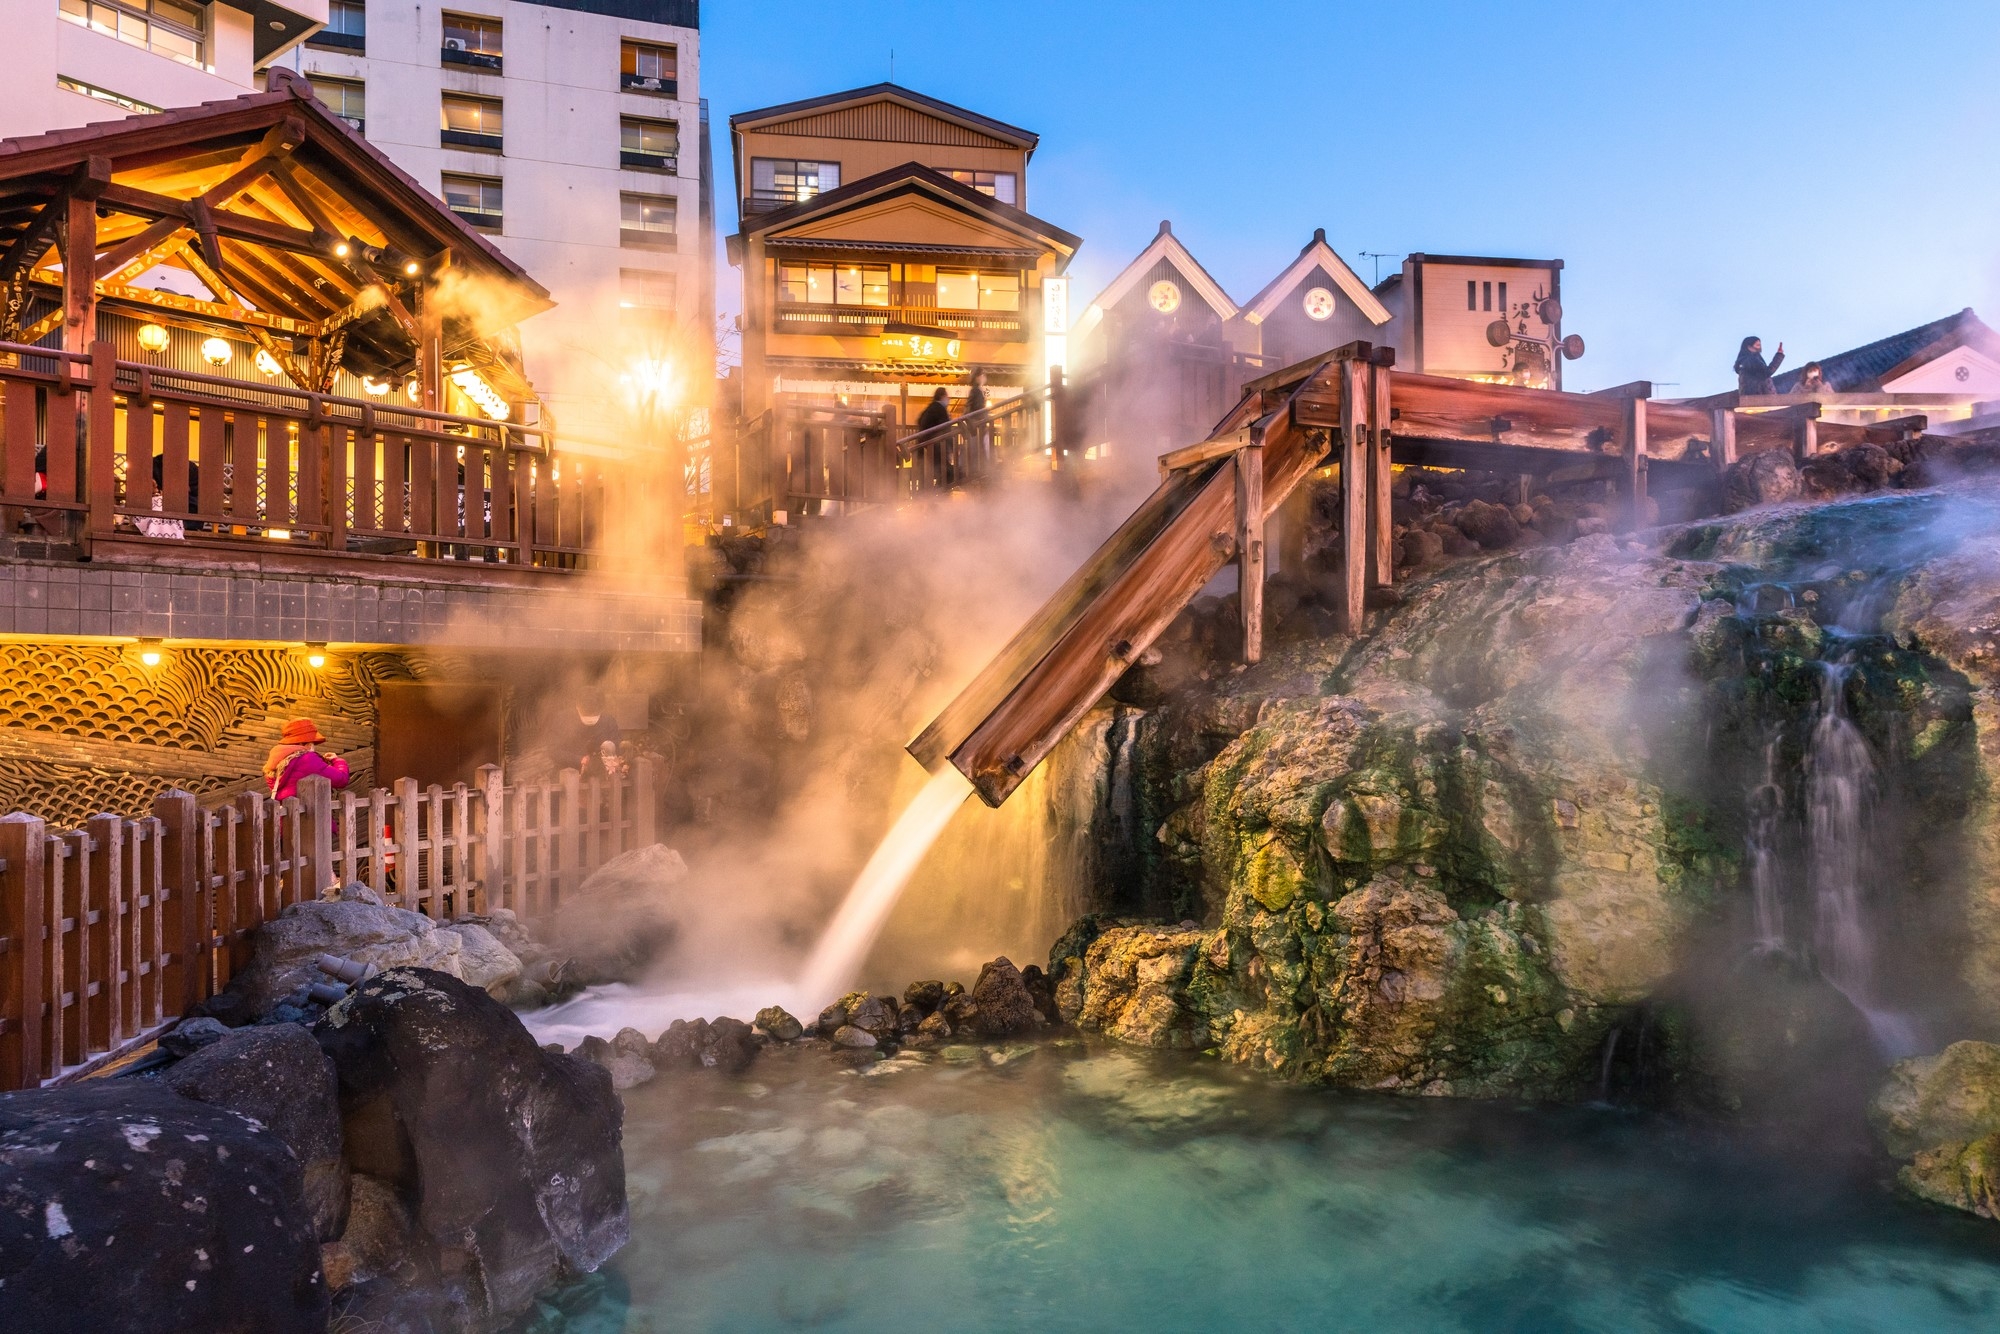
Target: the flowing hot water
pixel 844 945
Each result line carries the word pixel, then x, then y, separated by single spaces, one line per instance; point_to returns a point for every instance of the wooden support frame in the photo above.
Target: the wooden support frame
pixel 1381 480
pixel 1250 545
pixel 1632 448
pixel 1722 438
pixel 1354 446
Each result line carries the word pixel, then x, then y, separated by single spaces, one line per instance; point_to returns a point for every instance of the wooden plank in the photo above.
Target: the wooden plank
pixel 434 865
pixel 210 459
pixel 1633 389
pixel 251 903
pixel 461 851
pixel 1193 456
pixel 78 953
pixel 1381 479
pixel 20 430
pixel 182 928
pixel 1250 548
pixel 565 865
pixel 378 843
pixel 104 839
pixel 79 250
pixel 1632 447
pixel 1722 437
pixel 409 860
pixel 23 922
pixel 1354 446
pixel 1806 443
pixel 491 832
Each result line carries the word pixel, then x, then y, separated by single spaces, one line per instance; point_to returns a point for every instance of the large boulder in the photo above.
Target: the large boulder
pixel 483 960
pixel 1952 1097
pixel 623 918
pixel 1002 1005
pixel 1132 985
pixel 1767 477
pixel 507 1156
pixel 126 1207
pixel 286 949
pixel 277 1075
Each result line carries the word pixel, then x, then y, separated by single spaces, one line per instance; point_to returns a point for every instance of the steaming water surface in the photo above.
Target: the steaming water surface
pixel 1076 1187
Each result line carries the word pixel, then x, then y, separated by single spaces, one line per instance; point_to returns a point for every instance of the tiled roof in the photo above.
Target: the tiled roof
pixel 1862 370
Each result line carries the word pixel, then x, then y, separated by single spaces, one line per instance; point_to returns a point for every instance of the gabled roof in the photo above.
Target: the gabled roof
pixel 1865 369
pixel 914 178
pixel 766 117
pixel 1165 246
pixel 1317 254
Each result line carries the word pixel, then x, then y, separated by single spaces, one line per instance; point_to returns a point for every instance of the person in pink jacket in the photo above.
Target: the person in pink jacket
pixel 294 760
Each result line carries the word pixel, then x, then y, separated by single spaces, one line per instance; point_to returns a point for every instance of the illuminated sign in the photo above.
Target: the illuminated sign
pixel 919 347
pixel 1055 305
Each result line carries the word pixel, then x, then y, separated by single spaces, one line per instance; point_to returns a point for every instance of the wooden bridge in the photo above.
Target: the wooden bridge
pixel 1352 410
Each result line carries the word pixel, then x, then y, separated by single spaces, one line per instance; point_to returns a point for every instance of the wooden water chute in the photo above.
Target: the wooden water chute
pixel 1350 409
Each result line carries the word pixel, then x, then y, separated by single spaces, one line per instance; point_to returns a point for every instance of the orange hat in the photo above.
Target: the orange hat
pixel 301 732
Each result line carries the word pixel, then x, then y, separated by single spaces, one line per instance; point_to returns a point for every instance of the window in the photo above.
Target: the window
pixel 645 300
pixel 91 90
pixel 1472 294
pixel 778 182
pixel 978 291
pixel 646 68
pixel 344 98
pixel 834 284
pixel 999 184
pixel 164 27
pixel 471 41
pixel 647 221
pixel 1503 298
pixel 346 26
pixel 470 122
pixel 476 199
pixel 652 145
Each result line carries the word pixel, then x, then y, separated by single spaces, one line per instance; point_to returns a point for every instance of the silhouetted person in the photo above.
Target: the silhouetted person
pixel 1753 376
pixel 975 398
pixel 936 412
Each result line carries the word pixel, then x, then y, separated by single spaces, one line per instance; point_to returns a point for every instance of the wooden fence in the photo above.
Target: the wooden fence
pixel 111 932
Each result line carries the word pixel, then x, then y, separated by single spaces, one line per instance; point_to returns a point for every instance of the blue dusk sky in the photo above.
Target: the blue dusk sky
pixel 1818 174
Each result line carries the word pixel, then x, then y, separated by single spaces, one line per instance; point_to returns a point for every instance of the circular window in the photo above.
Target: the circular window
pixel 1319 304
pixel 1962 374
pixel 1165 297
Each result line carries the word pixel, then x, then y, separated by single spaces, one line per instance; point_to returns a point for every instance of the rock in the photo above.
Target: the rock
pixel 278 1076
pixel 356 892
pixel 286 948
pixel 124 1206
pixel 680 1046
pixel 628 1071
pixel 1947 1099
pixel 623 918
pixel 483 961
pixel 1493 527
pixel 631 1042
pixel 191 1035
pixel 1042 991
pixel 1132 983
pixel 1419 547
pixel 1767 477
pixel 779 1025
pixel 1960 1175
pixel 849 1036
pixel 832 1017
pixel 377 1242
pixel 731 1046
pixel 924 996
pixel 961 1055
pixel 1002 1003
pixel 875 1016
pixel 508 1156
pixel 934 1028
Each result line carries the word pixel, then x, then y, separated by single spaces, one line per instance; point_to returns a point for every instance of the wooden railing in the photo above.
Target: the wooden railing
pixel 973 449
pixel 110 932
pixel 151 456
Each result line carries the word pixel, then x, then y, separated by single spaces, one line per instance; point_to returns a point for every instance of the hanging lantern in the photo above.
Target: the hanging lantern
pixel 268 364
pixel 153 338
pixel 216 351
pixel 373 387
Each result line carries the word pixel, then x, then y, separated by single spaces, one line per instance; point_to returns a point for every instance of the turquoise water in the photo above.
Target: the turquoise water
pixel 1078 1187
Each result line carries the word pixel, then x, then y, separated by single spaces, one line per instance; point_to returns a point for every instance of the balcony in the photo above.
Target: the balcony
pixel 994 326
pixel 639 238
pixel 489 143
pixel 344 41
pixel 642 83
pixel 479 60
pixel 484 221
pixel 664 162
pixel 770 201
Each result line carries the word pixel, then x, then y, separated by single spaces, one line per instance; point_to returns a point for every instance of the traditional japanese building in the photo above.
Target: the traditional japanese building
pixel 887 249
pixel 1479 318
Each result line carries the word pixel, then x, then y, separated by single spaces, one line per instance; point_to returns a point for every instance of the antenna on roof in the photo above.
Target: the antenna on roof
pixel 1378 256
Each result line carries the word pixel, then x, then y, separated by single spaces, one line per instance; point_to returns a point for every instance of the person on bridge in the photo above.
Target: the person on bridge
pixel 1753 376
pixel 936 412
pixel 1812 380
pixel 975 398
pixel 293 760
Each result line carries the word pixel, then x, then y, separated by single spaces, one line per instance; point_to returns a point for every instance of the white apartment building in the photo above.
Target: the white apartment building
pixel 570 131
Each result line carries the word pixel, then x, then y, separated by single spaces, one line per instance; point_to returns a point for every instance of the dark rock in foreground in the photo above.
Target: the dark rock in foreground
pixel 279 1076
pixel 508 1156
pixel 125 1207
pixel 1002 1004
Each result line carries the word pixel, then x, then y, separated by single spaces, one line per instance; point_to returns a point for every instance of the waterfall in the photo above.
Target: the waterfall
pixel 1767 813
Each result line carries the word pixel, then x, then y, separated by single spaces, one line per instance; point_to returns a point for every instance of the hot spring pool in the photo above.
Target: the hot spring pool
pixel 1081 1187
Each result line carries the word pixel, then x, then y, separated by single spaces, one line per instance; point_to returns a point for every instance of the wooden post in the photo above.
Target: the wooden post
pixel 1722 437
pixel 1250 546
pixel 378 842
pixel 252 893
pixel 181 925
pixel 79 252
pixel 1381 481
pixel 1354 409
pixel 645 812
pixel 1633 443
pixel 434 836
pixel 105 844
pixel 430 352
pixel 409 865
pixel 101 461
pixel 1806 442
pixel 23 918
pixel 316 796
pixel 568 843
pixel 492 869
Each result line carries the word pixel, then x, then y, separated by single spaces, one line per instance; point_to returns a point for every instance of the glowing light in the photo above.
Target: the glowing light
pixel 216 351
pixel 315 656
pixel 373 387
pixel 341 250
pixel 268 364
pixel 475 388
pixel 149 652
pixel 413 268
pixel 153 338
pixel 1055 305
pixel 413 391
pixel 654 383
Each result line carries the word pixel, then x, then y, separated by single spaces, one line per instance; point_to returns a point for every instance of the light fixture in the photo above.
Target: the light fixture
pixel 373 387
pixel 474 386
pixel 149 652
pixel 216 351
pixel 413 268
pixel 267 364
pixel 413 391
pixel 341 250
pixel 153 338
pixel 315 656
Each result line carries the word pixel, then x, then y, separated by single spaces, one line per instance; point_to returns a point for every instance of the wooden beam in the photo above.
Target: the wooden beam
pixel 366 302
pixel 79 251
pixel 1634 389
pixel 1722 437
pixel 1354 450
pixel 210 310
pixel 259 162
pixel 1193 456
pixel 33 243
pixel 40 329
pixel 139 251
pixel 1250 547
pixel 1632 445
pixel 1381 480
pixel 1806 443
pixel 235 226
pixel 289 185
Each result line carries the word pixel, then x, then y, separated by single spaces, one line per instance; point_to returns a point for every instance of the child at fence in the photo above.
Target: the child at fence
pixel 293 760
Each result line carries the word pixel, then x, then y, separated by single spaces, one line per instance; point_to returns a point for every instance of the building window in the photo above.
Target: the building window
pixel 978 291
pixel 647 221
pixel 645 301
pixel 163 27
pixel 346 26
pixel 105 95
pixel 834 284
pixel 344 98
pixel 650 145
pixel 646 68
pixel 999 184
pixel 471 41
pixel 779 182
pixel 476 199
pixel 470 122
pixel 861 285
pixel 1472 294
